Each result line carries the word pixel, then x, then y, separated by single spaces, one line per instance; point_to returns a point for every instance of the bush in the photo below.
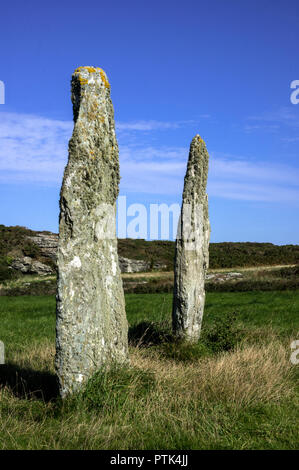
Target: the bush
pixel 223 334
pixel 6 272
pixel 30 249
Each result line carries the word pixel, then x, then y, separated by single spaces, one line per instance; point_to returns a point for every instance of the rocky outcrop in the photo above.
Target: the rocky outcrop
pixel 47 242
pixel 27 265
pixel 91 326
pixel 192 247
pixel 128 265
pixel 223 277
pixel 132 265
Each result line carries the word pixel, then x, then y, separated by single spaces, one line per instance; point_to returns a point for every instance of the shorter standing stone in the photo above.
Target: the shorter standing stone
pixel 2 355
pixel 192 247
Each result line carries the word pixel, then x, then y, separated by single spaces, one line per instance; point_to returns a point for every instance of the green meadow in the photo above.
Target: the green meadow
pixel 235 389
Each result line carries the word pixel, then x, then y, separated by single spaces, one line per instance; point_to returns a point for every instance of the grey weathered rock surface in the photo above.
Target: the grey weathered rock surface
pixel 28 265
pixel 192 246
pixel 91 326
pixel 47 242
pixel 128 265
pixel 223 277
pixel 132 265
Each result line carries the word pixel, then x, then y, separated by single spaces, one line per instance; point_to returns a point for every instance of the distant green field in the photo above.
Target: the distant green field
pixel 236 396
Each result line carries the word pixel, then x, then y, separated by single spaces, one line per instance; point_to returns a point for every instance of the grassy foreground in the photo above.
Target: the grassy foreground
pixel 236 389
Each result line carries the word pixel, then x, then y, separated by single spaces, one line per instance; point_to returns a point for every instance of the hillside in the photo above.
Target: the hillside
pixel 19 242
pixel 222 255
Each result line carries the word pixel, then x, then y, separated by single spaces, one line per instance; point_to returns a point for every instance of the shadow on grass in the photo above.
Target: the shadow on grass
pixel 160 336
pixel 148 333
pixel 223 334
pixel 29 383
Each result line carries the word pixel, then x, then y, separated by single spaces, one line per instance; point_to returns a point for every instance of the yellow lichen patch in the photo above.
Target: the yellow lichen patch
pixel 199 138
pixel 83 81
pixel 103 77
pixel 86 67
pixel 90 69
pixel 78 70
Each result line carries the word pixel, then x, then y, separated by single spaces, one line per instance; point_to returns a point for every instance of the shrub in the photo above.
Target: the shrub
pixel 223 334
pixel 6 272
pixel 30 249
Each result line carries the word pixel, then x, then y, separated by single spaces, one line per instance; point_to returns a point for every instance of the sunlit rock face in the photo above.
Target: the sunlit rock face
pixel 192 247
pixel 91 325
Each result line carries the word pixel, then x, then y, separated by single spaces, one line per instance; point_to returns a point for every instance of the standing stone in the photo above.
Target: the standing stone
pixel 2 355
pixel 91 324
pixel 192 247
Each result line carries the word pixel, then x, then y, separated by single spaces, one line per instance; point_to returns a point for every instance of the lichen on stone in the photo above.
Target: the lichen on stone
pixel 81 72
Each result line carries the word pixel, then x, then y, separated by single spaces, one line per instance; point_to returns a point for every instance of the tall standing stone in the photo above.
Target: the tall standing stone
pixel 192 247
pixel 91 324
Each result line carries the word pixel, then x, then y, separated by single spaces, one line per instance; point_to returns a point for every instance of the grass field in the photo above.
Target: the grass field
pixel 236 389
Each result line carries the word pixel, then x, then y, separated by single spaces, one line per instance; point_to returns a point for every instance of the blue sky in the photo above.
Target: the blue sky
pixel 219 68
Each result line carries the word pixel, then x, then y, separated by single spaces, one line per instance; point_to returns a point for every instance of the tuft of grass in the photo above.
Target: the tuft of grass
pixel 178 350
pixel 114 388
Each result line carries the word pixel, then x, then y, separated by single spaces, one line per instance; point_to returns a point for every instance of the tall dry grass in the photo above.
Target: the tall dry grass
pixel 250 373
pixel 193 405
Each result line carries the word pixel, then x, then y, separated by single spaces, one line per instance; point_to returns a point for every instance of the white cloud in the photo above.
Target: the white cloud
pixel 34 150
pixel 290 139
pixel 224 167
pixel 32 146
pixel 229 177
pixel 265 127
pixel 250 191
pixel 145 125
pixel 153 125
pixel 285 116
